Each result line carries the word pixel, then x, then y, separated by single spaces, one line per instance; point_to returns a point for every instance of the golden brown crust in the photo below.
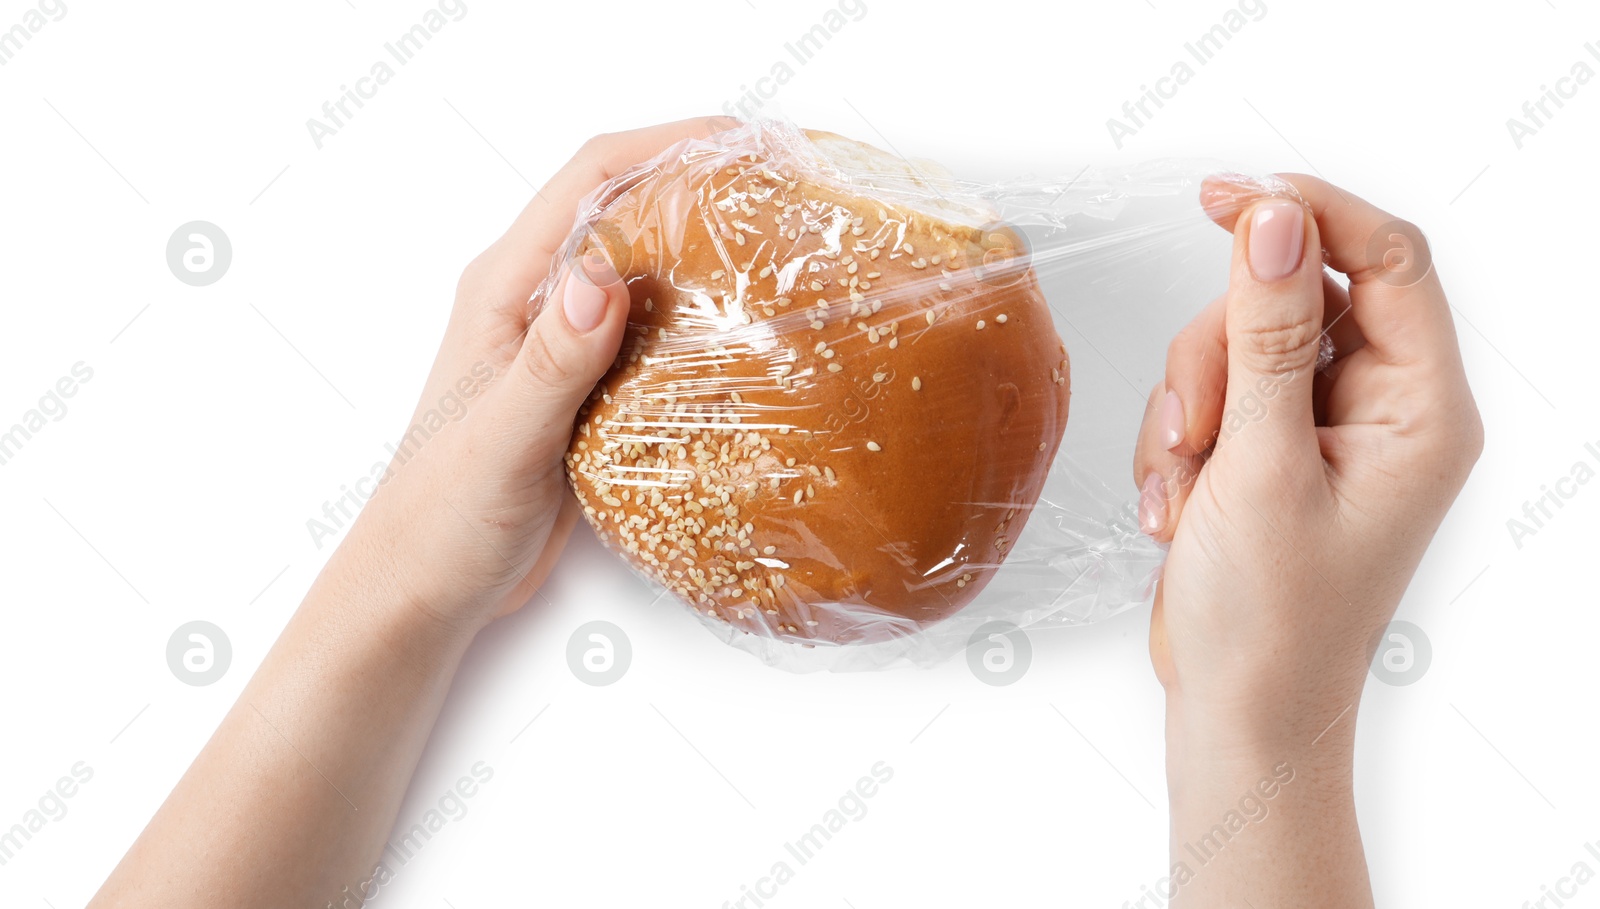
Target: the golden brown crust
pixel 831 415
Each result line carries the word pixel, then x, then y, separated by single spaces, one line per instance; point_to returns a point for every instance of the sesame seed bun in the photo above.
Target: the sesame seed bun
pixel 838 396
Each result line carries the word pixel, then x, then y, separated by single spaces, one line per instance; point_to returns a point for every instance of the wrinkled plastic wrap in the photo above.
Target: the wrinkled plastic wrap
pixel 840 448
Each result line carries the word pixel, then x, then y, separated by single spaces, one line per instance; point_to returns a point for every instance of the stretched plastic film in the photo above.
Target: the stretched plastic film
pixel 838 428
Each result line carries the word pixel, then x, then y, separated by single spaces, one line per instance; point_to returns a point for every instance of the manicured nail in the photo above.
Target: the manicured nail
pixel 1277 233
pixel 1171 421
pixel 1153 504
pixel 585 298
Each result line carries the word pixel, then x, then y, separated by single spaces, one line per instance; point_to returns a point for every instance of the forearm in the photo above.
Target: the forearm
pixel 291 800
pixel 1263 816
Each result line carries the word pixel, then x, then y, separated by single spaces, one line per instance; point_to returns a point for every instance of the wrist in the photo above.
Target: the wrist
pixel 1238 737
pixel 374 581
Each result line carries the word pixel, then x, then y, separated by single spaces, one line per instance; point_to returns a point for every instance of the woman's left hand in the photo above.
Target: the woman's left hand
pixel 474 509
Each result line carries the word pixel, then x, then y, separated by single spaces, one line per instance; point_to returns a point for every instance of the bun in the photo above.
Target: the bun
pixel 837 398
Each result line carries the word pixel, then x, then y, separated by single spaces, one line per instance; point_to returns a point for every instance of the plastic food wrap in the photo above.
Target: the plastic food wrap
pixel 838 427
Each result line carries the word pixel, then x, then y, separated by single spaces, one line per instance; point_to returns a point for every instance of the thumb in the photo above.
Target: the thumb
pixel 570 345
pixel 1274 327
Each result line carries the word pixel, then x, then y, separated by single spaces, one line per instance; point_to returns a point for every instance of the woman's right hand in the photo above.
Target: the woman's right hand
pixel 1298 503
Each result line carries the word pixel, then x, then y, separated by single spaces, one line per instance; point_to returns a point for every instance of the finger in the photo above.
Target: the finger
pixel 566 351
pixel 1190 408
pixel 1190 414
pixel 516 263
pixel 1273 317
pixel 1336 322
pixel 1397 301
pixel 1163 476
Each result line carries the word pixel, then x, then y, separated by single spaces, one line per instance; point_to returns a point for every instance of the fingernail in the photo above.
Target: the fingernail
pixel 1277 233
pixel 1171 421
pixel 1152 504
pixel 585 300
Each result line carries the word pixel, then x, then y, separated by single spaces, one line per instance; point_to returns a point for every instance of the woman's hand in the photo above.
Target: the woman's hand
pixel 474 509
pixel 1298 504
pixel 306 773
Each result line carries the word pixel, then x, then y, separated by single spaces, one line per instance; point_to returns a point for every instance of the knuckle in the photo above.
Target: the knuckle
pixel 595 145
pixel 1470 441
pixel 473 276
pixel 1294 342
pixel 545 362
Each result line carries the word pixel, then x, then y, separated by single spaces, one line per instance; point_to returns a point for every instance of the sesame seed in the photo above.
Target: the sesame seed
pixel 1001 318
pixel 717 275
pixel 919 262
pixel 827 354
pixel 893 343
pixel 816 286
pixel 930 316
pixel 878 377
pixel 770 550
pixel 916 383
pixel 874 446
pixel 834 367
pixel 817 325
pixel 821 346
pixel 980 325
pixel 1041 446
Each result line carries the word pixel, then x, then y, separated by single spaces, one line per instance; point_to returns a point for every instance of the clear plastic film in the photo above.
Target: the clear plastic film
pixel 863 409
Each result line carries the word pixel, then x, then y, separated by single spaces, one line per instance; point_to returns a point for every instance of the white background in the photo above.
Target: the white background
pixel 219 419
